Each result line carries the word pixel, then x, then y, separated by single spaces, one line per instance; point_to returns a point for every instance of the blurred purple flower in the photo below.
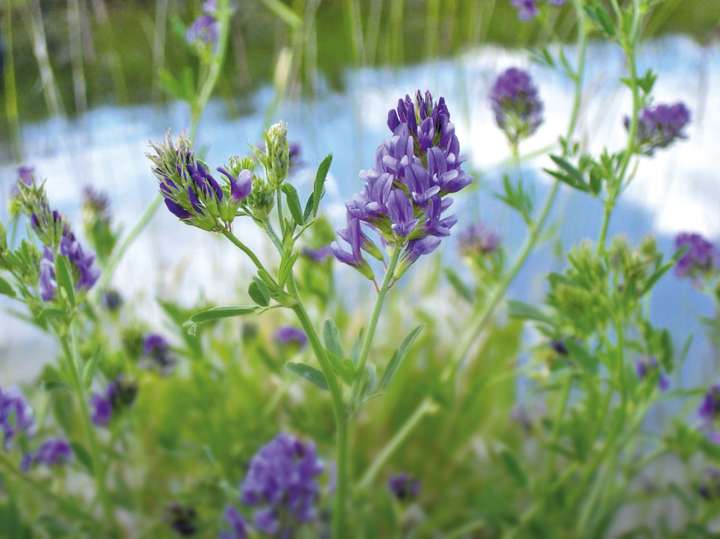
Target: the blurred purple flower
pixel 52 452
pixel 529 9
pixel 700 257
pixel 709 489
pixel 710 405
pixel 649 367
pixel 478 240
pixel 660 125
pixel 516 104
pixel 86 272
pixel 118 394
pixel 112 300
pixel 281 483
pixel 16 415
pixel 559 347
pixel 319 254
pixel 47 283
pixel 203 30
pixel 236 524
pixel 403 486
pixel 157 349
pixel 26 174
pixel 290 335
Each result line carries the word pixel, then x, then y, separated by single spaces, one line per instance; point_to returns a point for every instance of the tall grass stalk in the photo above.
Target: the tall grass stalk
pixel 10 88
pixel 75 38
pixel 51 93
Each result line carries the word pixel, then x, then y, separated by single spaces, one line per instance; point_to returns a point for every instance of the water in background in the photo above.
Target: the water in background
pixel 677 190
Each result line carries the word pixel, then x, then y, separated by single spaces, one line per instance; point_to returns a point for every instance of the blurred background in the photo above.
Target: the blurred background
pixel 82 93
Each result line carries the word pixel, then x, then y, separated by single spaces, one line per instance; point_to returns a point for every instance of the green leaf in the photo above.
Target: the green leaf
pixel 311 374
pixel 64 278
pixel 293 203
pixel 90 368
pixel 259 292
pixel 463 290
pixel 216 313
pixel 513 467
pixel 6 289
pixel 313 203
pixel 525 311
pixel 568 173
pixel 83 456
pixel 398 357
pixel 284 13
pixel 342 365
pixel 286 267
pixel 600 16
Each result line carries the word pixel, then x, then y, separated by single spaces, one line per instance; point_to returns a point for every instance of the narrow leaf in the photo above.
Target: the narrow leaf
pixel 259 292
pixel 6 289
pixel 216 313
pixel 90 368
pixel 398 357
pixel 64 278
pixel 313 203
pixel 293 203
pixel 82 455
pixel 311 374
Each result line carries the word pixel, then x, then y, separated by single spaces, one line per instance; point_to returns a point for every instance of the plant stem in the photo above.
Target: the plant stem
pixel 197 109
pixel 341 418
pixel 69 348
pixel 427 406
pixel 39 487
pixel 245 249
pixel 374 317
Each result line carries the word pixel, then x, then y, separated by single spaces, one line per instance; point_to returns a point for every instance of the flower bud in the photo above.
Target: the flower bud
pixel 277 154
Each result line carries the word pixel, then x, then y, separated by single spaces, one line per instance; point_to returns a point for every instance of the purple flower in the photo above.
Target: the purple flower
pixel 48 285
pixel 97 202
pixel 516 104
pixel 52 452
pixel 203 30
pixel 112 300
pixel 478 240
pixel 709 489
pixel 710 406
pixel 240 186
pixel 26 175
pixel 660 125
pixel 117 395
pixel 699 258
pixel 182 519
pixel 319 254
pixel 290 335
pixel 405 194
pixel 650 367
pixel 83 263
pixel 281 483
pixel 157 349
pixel 236 524
pixel 559 347
pixel 404 487
pixel 16 415
pixel 528 9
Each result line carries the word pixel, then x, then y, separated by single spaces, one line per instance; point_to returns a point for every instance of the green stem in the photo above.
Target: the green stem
pixel 197 109
pixel 341 417
pixel 39 487
pixel 374 317
pixel 245 249
pixel 427 406
pixel 69 348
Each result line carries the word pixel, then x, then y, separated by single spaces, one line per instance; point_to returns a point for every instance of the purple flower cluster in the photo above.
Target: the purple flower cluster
pixel 15 415
pixel 319 254
pixel 204 29
pixel 282 484
pixel 191 193
pixel 700 257
pixel 516 104
pixel 157 349
pixel 660 125
pixel 709 412
pixel 52 452
pixel 237 527
pixel 477 240
pixel 97 202
pixel 405 195
pixel 649 367
pixel 404 487
pixel 290 336
pixel 85 272
pixel 529 9
pixel 117 395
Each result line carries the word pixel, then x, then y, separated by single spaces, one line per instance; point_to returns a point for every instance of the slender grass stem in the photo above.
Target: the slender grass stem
pixel 69 349
pixel 197 109
pixel 426 407
pixel 372 325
